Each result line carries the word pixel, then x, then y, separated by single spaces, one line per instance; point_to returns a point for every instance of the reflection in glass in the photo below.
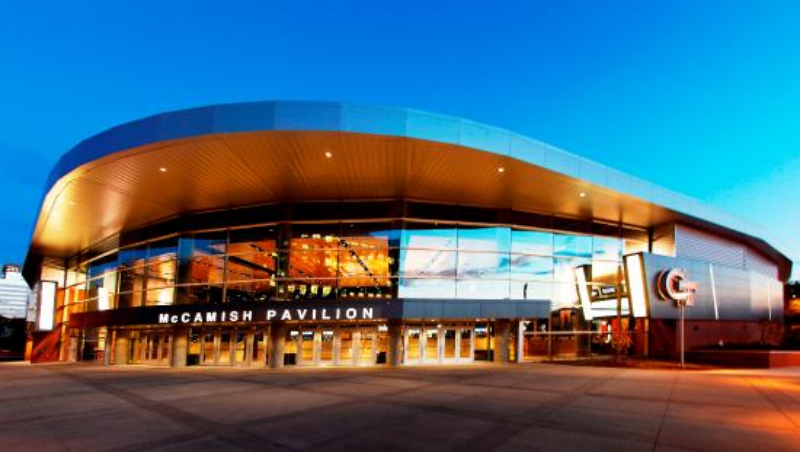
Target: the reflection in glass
pixel 483 265
pixel 201 258
pixel 427 263
pixel 482 289
pixel 531 242
pixel 569 245
pixel 429 236
pixel 531 268
pixel 497 239
pixel 607 248
pixel 200 294
pixel 427 288
pixel 247 291
pixel 524 290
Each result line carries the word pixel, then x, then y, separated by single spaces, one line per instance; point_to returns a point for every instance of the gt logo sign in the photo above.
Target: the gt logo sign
pixel 673 285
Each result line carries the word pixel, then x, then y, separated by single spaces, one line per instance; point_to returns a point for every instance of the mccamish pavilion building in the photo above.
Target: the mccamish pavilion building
pixel 303 233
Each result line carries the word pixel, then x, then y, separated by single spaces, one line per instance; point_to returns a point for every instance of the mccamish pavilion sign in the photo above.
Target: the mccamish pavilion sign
pixel 233 316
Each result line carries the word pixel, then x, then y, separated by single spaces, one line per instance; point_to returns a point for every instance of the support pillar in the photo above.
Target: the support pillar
pixel 107 347
pixel 395 352
pixel 180 346
pixel 502 333
pixel 277 335
pixel 519 349
pixel 122 348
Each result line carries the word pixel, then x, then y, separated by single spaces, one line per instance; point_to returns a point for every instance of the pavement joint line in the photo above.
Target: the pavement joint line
pixel 200 424
pixel 44 420
pixel 666 410
pixel 765 395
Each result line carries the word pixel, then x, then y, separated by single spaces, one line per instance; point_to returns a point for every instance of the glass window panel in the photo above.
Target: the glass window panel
pixel 565 296
pixel 245 267
pixel 531 268
pixel 365 288
pixel 572 245
pixel 427 263
pixel 163 250
pixel 524 290
pixel 497 239
pixel 531 242
pixel 102 265
pixel 313 264
pixel 365 262
pixel 307 289
pixel 253 240
pixel 314 236
pixel 607 248
pixel 564 268
pixel 482 289
pixel 133 257
pixel 199 294
pixel 250 291
pixel 104 287
pixel 131 279
pixel 381 235
pixel 483 265
pixel 160 297
pixel 427 288
pixel 160 274
pixel 201 257
pixel 429 236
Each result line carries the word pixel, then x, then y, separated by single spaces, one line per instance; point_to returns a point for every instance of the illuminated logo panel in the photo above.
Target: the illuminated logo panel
pixel 673 285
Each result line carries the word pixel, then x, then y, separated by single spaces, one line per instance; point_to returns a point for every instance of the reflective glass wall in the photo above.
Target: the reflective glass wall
pixel 344 260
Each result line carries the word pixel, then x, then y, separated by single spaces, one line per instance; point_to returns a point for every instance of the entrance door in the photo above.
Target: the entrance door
pixel 466 345
pixel 367 347
pixel 326 347
pixel 412 346
pixel 450 341
pixel 432 350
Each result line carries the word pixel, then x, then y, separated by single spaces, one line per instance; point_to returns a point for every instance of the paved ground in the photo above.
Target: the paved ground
pixel 537 407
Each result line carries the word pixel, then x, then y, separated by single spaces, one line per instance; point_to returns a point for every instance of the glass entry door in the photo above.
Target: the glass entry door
pixel 151 347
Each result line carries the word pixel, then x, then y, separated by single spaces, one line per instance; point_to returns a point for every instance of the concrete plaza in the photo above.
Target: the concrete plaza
pixel 481 407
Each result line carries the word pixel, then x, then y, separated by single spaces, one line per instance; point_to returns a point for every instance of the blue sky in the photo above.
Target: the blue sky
pixel 700 97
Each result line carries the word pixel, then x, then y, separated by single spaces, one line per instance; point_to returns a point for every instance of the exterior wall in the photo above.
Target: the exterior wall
pixel 700 245
pixel 705 334
pixel 723 293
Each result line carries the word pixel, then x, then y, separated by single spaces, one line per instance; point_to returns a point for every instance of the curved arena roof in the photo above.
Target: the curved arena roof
pixel 253 153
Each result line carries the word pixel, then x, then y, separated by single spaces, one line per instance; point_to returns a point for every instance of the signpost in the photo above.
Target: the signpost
pixel 673 285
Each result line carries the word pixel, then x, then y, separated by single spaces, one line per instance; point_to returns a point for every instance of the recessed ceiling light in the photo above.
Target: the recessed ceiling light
pixel 582 195
pixel 328 154
pixel 163 169
pixel 501 169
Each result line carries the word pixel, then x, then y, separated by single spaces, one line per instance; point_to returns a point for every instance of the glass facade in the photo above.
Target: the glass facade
pixel 344 260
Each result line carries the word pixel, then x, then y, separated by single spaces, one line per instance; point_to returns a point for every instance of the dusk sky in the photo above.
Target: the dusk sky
pixel 701 97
